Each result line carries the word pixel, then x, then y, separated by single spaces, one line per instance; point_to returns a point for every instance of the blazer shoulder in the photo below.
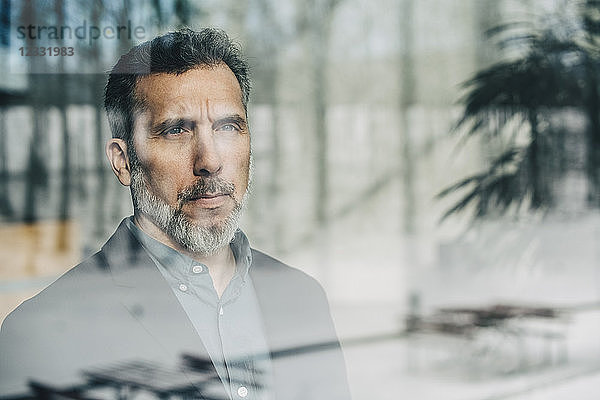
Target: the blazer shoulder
pixel 277 273
pixel 83 277
pixel 267 263
pixel 87 271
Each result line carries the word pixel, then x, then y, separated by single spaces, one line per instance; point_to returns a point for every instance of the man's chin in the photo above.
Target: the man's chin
pixel 208 228
pixel 204 238
pixel 208 221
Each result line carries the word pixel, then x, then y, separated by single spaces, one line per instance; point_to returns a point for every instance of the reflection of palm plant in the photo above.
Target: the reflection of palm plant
pixel 554 74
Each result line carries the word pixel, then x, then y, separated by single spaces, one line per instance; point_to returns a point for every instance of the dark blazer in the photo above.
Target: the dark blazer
pixel 116 308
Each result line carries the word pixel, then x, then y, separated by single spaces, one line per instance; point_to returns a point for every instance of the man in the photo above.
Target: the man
pixel 176 303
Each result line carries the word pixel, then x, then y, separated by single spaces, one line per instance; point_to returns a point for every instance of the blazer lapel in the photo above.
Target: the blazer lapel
pixel 279 307
pixel 150 301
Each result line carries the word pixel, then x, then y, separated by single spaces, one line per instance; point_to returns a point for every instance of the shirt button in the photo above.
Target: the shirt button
pixel 197 269
pixel 221 313
pixel 183 287
pixel 242 391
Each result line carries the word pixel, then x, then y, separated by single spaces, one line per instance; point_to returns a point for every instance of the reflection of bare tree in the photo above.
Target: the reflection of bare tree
pixel 97 83
pixel 274 37
pixel 61 101
pixel 272 40
pixel 276 34
pixel 407 94
pixel 5 205
pixel 319 15
pixel 183 12
pixel 36 174
pixel 591 23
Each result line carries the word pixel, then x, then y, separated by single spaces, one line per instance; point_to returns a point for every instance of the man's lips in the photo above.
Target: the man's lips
pixel 208 196
pixel 212 200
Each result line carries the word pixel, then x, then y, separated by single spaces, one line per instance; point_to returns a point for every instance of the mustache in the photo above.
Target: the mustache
pixel 206 186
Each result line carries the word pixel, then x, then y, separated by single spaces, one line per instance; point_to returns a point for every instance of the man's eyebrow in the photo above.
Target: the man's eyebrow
pixel 233 118
pixel 170 123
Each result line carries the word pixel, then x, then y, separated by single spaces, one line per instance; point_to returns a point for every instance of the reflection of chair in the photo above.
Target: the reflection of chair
pixel 244 370
pixel 499 338
pixel 129 377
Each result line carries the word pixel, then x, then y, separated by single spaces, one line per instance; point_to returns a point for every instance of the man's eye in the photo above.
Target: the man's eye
pixel 229 128
pixel 174 131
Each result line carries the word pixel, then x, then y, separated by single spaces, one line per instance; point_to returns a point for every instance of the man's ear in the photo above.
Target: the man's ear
pixel 116 151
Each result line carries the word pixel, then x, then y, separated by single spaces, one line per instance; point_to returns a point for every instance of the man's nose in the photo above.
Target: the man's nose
pixel 207 158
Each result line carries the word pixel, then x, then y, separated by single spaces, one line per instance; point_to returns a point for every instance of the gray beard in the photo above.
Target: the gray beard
pixel 205 240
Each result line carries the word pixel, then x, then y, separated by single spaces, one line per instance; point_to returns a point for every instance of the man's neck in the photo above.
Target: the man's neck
pixel 221 265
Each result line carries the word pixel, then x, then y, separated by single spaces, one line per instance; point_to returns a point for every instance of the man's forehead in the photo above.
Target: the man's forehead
pixel 216 84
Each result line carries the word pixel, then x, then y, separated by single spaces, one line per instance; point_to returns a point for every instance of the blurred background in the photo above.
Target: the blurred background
pixel 435 164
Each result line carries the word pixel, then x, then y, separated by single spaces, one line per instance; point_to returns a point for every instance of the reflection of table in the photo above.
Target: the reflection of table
pixel 130 377
pixel 43 391
pixel 499 313
pixel 498 334
pixel 126 379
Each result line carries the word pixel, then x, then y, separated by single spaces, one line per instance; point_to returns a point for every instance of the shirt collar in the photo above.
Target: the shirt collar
pixel 181 264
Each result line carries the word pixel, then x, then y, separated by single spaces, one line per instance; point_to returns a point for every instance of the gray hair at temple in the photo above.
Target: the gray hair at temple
pixel 172 53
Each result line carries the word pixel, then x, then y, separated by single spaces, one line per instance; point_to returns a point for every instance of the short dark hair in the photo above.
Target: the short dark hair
pixel 172 53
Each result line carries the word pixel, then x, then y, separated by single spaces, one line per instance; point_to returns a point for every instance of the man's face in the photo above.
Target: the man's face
pixel 190 168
